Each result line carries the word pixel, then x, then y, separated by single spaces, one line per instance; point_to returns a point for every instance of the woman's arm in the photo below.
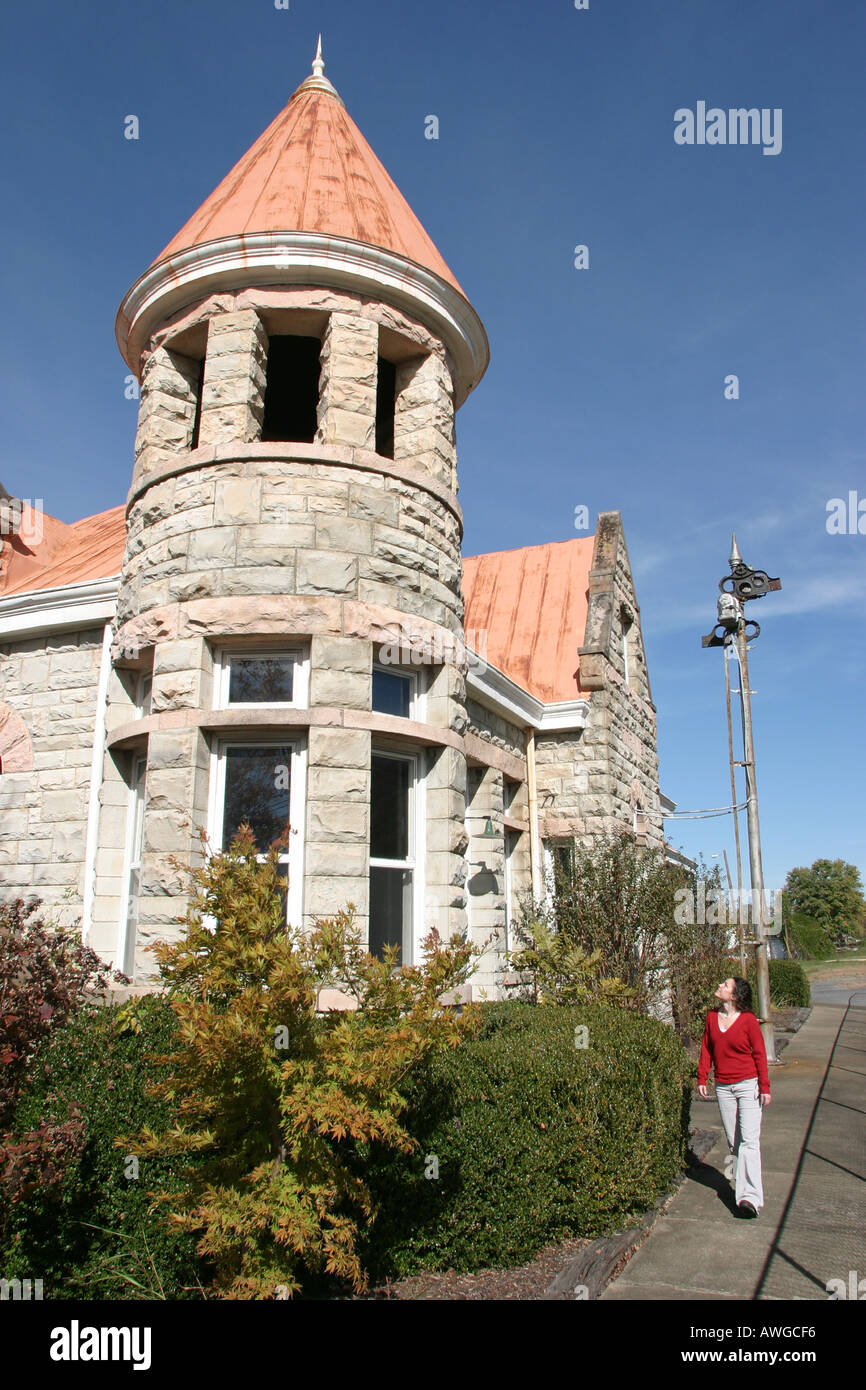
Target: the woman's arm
pixel 705 1061
pixel 759 1052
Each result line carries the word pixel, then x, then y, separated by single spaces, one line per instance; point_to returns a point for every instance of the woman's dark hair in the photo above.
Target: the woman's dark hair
pixel 743 995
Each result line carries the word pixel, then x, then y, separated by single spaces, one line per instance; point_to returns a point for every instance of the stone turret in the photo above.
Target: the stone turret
pixel 302 350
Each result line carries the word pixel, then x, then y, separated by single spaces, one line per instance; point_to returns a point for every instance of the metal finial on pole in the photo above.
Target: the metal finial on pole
pixel 736 557
pixel 318 61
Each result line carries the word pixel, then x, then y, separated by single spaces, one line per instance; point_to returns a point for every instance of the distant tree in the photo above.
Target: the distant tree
pixel 805 939
pixel 832 893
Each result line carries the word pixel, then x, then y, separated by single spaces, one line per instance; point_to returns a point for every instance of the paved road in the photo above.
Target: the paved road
pixel 813 1226
pixel 823 992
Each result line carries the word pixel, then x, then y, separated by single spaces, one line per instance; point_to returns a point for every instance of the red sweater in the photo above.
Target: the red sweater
pixel 735 1055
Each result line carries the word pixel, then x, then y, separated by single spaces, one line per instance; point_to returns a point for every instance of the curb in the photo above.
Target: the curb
pixel 593 1269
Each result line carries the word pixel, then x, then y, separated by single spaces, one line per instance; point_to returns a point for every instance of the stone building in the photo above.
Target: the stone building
pixel 278 626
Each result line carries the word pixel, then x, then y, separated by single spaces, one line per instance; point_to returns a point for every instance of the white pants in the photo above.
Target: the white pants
pixel 740 1109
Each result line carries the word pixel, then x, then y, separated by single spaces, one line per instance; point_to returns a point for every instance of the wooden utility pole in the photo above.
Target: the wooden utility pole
pixel 736 815
pixel 732 627
pixel 756 868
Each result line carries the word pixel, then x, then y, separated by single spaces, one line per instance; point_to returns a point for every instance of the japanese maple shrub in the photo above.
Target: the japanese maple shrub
pixel 46 977
pixel 272 1095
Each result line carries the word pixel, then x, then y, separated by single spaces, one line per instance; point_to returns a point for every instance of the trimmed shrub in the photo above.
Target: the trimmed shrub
pixel 526 1137
pixel 94 1238
pixel 789 984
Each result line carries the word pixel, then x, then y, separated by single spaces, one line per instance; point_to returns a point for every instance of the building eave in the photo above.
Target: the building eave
pixel 498 693
pixel 292 258
pixel 90 603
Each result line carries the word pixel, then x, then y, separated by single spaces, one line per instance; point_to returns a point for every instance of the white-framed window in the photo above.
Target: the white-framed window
pixel 128 929
pixel 263 784
pixel 396 853
pixel 395 691
pixel 512 840
pixel 257 678
pixel 556 854
pixel 144 693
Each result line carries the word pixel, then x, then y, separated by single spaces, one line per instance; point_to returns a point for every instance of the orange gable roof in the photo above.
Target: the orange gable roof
pixel 532 605
pixel 66 554
pixel 312 171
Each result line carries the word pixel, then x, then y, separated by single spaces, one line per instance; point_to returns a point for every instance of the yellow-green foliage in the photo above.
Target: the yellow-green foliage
pixel 274 1096
pixel 562 972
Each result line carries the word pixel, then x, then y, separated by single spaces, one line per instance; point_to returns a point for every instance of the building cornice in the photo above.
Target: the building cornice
pixel 304 258
pixel 88 604
pixel 497 692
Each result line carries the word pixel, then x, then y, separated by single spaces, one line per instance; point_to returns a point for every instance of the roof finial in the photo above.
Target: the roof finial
pixel 736 557
pixel 317 81
pixel 318 61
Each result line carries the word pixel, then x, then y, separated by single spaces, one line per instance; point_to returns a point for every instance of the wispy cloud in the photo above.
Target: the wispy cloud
pixel 819 592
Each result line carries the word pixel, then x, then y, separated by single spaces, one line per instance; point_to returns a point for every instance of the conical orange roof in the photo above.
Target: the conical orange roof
pixel 313 171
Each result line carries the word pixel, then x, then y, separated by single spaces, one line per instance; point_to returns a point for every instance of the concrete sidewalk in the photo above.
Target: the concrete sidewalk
pixel 813 1225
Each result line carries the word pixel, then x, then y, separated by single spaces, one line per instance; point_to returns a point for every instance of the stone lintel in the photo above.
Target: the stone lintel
pixel 227 720
pixel 485 754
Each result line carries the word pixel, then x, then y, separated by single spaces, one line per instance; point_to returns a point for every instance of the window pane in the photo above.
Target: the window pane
pixel 389 808
pixel 391 693
pixel 257 791
pixel 261 680
pixel 128 962
pixel 139 772
pixel 145 693
pixel 390 909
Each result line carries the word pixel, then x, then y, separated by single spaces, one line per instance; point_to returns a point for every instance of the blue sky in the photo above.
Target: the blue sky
pixel 606 385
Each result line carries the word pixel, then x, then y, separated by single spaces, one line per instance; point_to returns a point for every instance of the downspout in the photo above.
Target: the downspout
pixel 96 767
pixel 534 841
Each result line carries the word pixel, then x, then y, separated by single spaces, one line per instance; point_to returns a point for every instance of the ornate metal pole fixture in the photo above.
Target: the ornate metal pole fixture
pixel 738 587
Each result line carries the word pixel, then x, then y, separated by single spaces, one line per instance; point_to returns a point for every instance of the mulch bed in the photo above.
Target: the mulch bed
pixel 528 1282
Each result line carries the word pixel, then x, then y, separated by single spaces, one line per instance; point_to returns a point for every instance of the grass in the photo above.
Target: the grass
pixel 841 958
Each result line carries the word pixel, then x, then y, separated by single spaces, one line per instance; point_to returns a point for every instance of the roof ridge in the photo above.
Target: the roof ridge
pixel 540 545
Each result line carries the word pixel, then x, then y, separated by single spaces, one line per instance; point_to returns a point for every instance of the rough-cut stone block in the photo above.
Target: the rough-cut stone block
pixel 341 653
pixel 338 784
pixel 237 500
pixel 333 820
pixel 266 579
pixel 345 748
pixel 323 897
pixel 336 861
pixel 322 573
pixel 343 534
pixel 346 689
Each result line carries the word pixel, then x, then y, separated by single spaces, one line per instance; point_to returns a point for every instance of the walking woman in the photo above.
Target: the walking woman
pixel 734 1047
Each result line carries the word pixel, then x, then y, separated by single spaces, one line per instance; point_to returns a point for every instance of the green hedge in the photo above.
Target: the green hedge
pixel 535 1138
pixel 789 984
pixel 133 1255
pixel 808 938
